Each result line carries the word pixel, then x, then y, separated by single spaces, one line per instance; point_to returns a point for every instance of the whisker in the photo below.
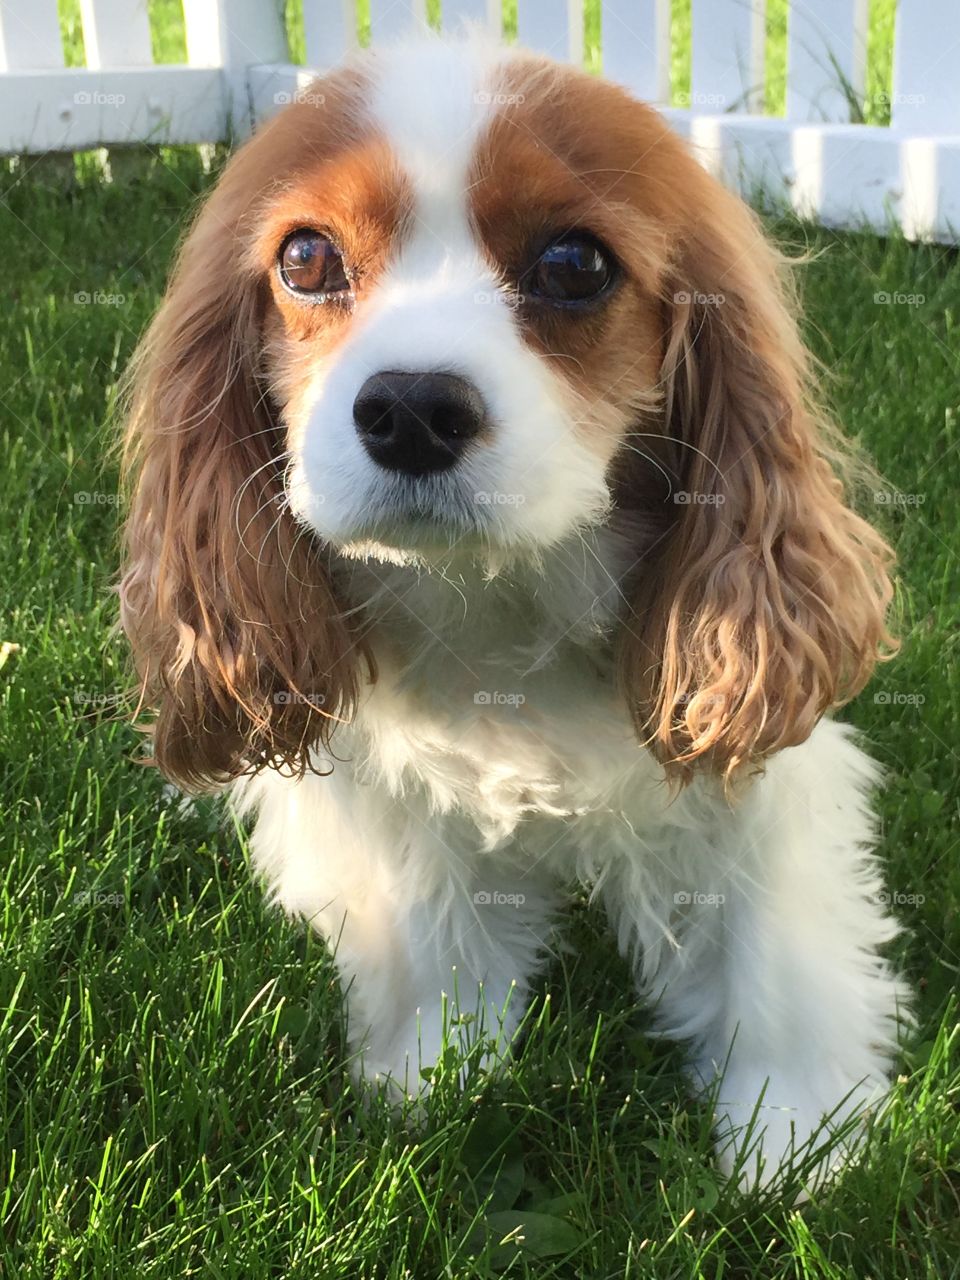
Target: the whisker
pixel 647 457
pixel 649 435
pixel 271 462
pixel 603 568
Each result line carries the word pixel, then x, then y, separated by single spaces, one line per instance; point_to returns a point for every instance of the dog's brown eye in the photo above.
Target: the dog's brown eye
pixel 574 268
pixel 311 263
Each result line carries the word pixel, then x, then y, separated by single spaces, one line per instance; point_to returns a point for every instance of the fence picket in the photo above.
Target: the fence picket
pixel 727 55
pixel 29 35
pixel 826 58
pixel 553 27
pixel 926 84
pixel 330 31
pixel 636 46
pixel 116 33
pixel 391 19
pixel 235 35
pixel 483 13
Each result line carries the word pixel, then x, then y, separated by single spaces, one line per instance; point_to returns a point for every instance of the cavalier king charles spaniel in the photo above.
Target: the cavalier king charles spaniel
pixel 486 538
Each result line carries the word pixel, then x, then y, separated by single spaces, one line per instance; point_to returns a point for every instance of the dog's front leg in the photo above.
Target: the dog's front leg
pixel 447 967
pixel 434 943
pixel 770 965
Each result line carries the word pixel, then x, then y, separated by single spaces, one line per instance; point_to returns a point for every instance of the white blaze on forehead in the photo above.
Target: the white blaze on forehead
pixel 433 101
pixel 441 304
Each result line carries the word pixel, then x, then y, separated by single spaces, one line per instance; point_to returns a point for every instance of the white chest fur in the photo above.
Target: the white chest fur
pixel 496 702
pixel 491 762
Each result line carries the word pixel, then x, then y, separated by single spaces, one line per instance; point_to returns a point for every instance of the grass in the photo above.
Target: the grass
pixel 173 1093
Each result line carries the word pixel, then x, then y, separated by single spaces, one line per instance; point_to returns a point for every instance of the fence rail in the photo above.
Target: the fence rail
pixel 816 158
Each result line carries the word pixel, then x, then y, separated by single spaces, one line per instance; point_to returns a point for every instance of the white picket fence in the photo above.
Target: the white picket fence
pixel 239 71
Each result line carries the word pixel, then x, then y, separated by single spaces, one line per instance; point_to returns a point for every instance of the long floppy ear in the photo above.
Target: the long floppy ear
pixel 236 635
pixel 767 606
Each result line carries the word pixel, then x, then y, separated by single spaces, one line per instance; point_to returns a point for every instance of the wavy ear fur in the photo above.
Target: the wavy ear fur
pixel 237 638
pixel 767 606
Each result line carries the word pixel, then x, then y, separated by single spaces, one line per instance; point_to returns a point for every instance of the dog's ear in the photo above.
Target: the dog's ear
pixel 239 645
pixel 767 605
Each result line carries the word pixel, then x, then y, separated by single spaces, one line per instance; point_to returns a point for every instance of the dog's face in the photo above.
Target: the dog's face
pixel 458 303
pixel 463 315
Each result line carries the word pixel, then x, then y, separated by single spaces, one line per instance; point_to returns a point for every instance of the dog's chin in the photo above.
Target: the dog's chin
pixel 413 544
pixel 443 523
pixel 429 524
pixel 426 538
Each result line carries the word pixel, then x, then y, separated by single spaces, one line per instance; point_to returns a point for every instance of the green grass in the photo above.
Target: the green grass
pixel 172 1080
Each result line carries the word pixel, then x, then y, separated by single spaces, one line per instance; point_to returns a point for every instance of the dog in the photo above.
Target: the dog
pixel 485 538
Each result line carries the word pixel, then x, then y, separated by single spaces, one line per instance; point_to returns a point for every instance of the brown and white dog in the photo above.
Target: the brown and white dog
pixel 485 537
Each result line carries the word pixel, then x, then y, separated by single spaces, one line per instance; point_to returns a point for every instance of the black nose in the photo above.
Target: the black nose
pixel 418 422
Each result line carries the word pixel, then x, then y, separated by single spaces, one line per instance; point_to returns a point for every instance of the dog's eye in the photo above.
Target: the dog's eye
pixel 310 262
pixel 572 269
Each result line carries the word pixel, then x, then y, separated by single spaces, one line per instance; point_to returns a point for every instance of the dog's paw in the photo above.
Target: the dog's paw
pixel 400 1068
pixel 406 1068
pixel 762 1141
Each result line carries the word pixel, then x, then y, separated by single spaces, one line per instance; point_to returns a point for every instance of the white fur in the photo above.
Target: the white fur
pixel 441 306
pixel 494 757
pixel 437 797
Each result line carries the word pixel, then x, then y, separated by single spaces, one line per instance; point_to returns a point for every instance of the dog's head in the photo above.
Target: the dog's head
pixel 457 302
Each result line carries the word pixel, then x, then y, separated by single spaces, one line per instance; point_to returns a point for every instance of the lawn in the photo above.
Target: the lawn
pixel 173 1094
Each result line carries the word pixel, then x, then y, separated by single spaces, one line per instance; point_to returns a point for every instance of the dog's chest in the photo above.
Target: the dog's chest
pixel 497 702
pixel 487 738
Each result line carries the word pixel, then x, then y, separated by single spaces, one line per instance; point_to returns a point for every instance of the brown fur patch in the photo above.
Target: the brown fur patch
pixel 240 644
pixel 760 596
pixel 548 165
pixel 362 202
